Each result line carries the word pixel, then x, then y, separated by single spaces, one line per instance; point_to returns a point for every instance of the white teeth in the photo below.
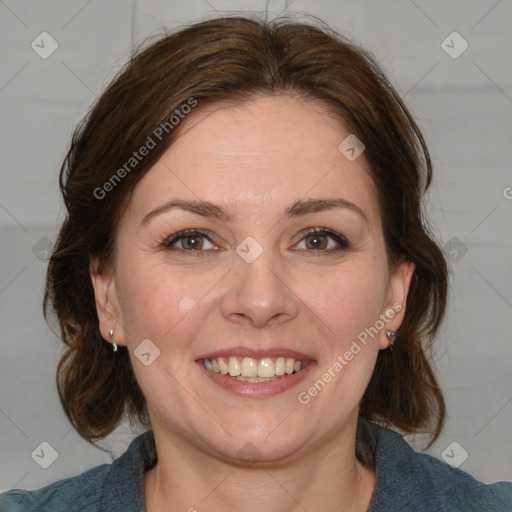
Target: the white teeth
pixel 222 365
pixel 280 366
pixel 234 367
pixel 249 367
pixel 256 379
pixel 266 368
pixel 254 370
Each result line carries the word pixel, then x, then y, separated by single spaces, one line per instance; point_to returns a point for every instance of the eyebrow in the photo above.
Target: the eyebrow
pixel 297 209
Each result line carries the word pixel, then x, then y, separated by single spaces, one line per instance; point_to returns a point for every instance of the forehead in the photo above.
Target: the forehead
pixel 256 158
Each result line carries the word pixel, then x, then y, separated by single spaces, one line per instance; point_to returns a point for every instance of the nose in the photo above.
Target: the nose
pixel 258 293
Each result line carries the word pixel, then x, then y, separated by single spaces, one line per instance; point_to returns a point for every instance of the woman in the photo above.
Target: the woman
pixel 245 229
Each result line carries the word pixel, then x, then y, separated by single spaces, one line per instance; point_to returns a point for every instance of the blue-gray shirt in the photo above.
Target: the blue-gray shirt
pixel 406 481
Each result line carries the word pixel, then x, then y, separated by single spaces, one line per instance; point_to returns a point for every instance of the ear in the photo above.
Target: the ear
pixel 398 289
pixel 107 304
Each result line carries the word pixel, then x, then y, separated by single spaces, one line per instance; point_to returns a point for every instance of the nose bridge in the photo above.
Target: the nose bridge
pixel 257 292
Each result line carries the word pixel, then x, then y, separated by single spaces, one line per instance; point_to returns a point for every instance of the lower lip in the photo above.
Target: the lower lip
pixel 257 389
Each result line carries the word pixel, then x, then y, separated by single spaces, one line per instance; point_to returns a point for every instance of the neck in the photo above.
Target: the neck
pixel 323 478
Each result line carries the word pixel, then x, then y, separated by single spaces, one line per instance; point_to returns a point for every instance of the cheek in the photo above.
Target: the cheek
pixel 160 302
pixel 348 303
pixel 347 300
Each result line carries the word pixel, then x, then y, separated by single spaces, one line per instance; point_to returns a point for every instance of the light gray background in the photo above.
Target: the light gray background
pixel 463 105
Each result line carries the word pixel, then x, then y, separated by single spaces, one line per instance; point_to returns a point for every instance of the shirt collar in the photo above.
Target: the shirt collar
pixel 123 489
pixel 398 473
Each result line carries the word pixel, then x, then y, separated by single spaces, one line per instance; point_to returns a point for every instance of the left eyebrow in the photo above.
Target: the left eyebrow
pixel 308 206
pixel 297 209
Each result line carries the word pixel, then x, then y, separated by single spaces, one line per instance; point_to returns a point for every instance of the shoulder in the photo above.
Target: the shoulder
pixel 82 492
pixel 453 489
pixel 116 487
pixel 407 480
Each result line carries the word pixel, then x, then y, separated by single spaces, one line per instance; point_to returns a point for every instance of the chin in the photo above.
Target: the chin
pixel 268 439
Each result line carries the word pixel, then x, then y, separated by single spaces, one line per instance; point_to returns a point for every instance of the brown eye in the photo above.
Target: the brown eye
pixel 188 240
pixel 324 241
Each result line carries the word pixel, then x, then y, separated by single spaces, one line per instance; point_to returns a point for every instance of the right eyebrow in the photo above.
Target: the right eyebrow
pixel 204 208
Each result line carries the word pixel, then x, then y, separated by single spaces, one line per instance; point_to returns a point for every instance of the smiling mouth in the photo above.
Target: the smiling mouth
pixel 248 369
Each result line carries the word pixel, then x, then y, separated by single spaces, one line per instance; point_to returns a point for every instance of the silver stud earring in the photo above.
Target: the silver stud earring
pixel 391 337
pixel 114 344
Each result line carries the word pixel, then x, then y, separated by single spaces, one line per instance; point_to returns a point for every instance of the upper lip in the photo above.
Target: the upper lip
pixel 256 353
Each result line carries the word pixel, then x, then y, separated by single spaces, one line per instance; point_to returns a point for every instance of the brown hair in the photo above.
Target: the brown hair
pixel 233 59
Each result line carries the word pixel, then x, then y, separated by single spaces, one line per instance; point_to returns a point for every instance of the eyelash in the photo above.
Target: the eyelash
pixel 338 238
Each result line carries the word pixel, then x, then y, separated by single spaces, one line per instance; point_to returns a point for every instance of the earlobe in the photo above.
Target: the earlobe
pixel 107 306
pixel 399 284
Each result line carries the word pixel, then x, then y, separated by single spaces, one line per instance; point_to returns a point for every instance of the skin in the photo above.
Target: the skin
pixel 255 158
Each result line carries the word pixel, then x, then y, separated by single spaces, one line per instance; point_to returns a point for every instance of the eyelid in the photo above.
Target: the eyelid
pixel 340 239
pixel 168 241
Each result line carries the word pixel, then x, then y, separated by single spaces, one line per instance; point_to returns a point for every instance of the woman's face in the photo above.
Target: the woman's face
pixel 256 286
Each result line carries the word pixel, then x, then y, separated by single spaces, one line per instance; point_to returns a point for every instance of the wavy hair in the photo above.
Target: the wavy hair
pixel 231 60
